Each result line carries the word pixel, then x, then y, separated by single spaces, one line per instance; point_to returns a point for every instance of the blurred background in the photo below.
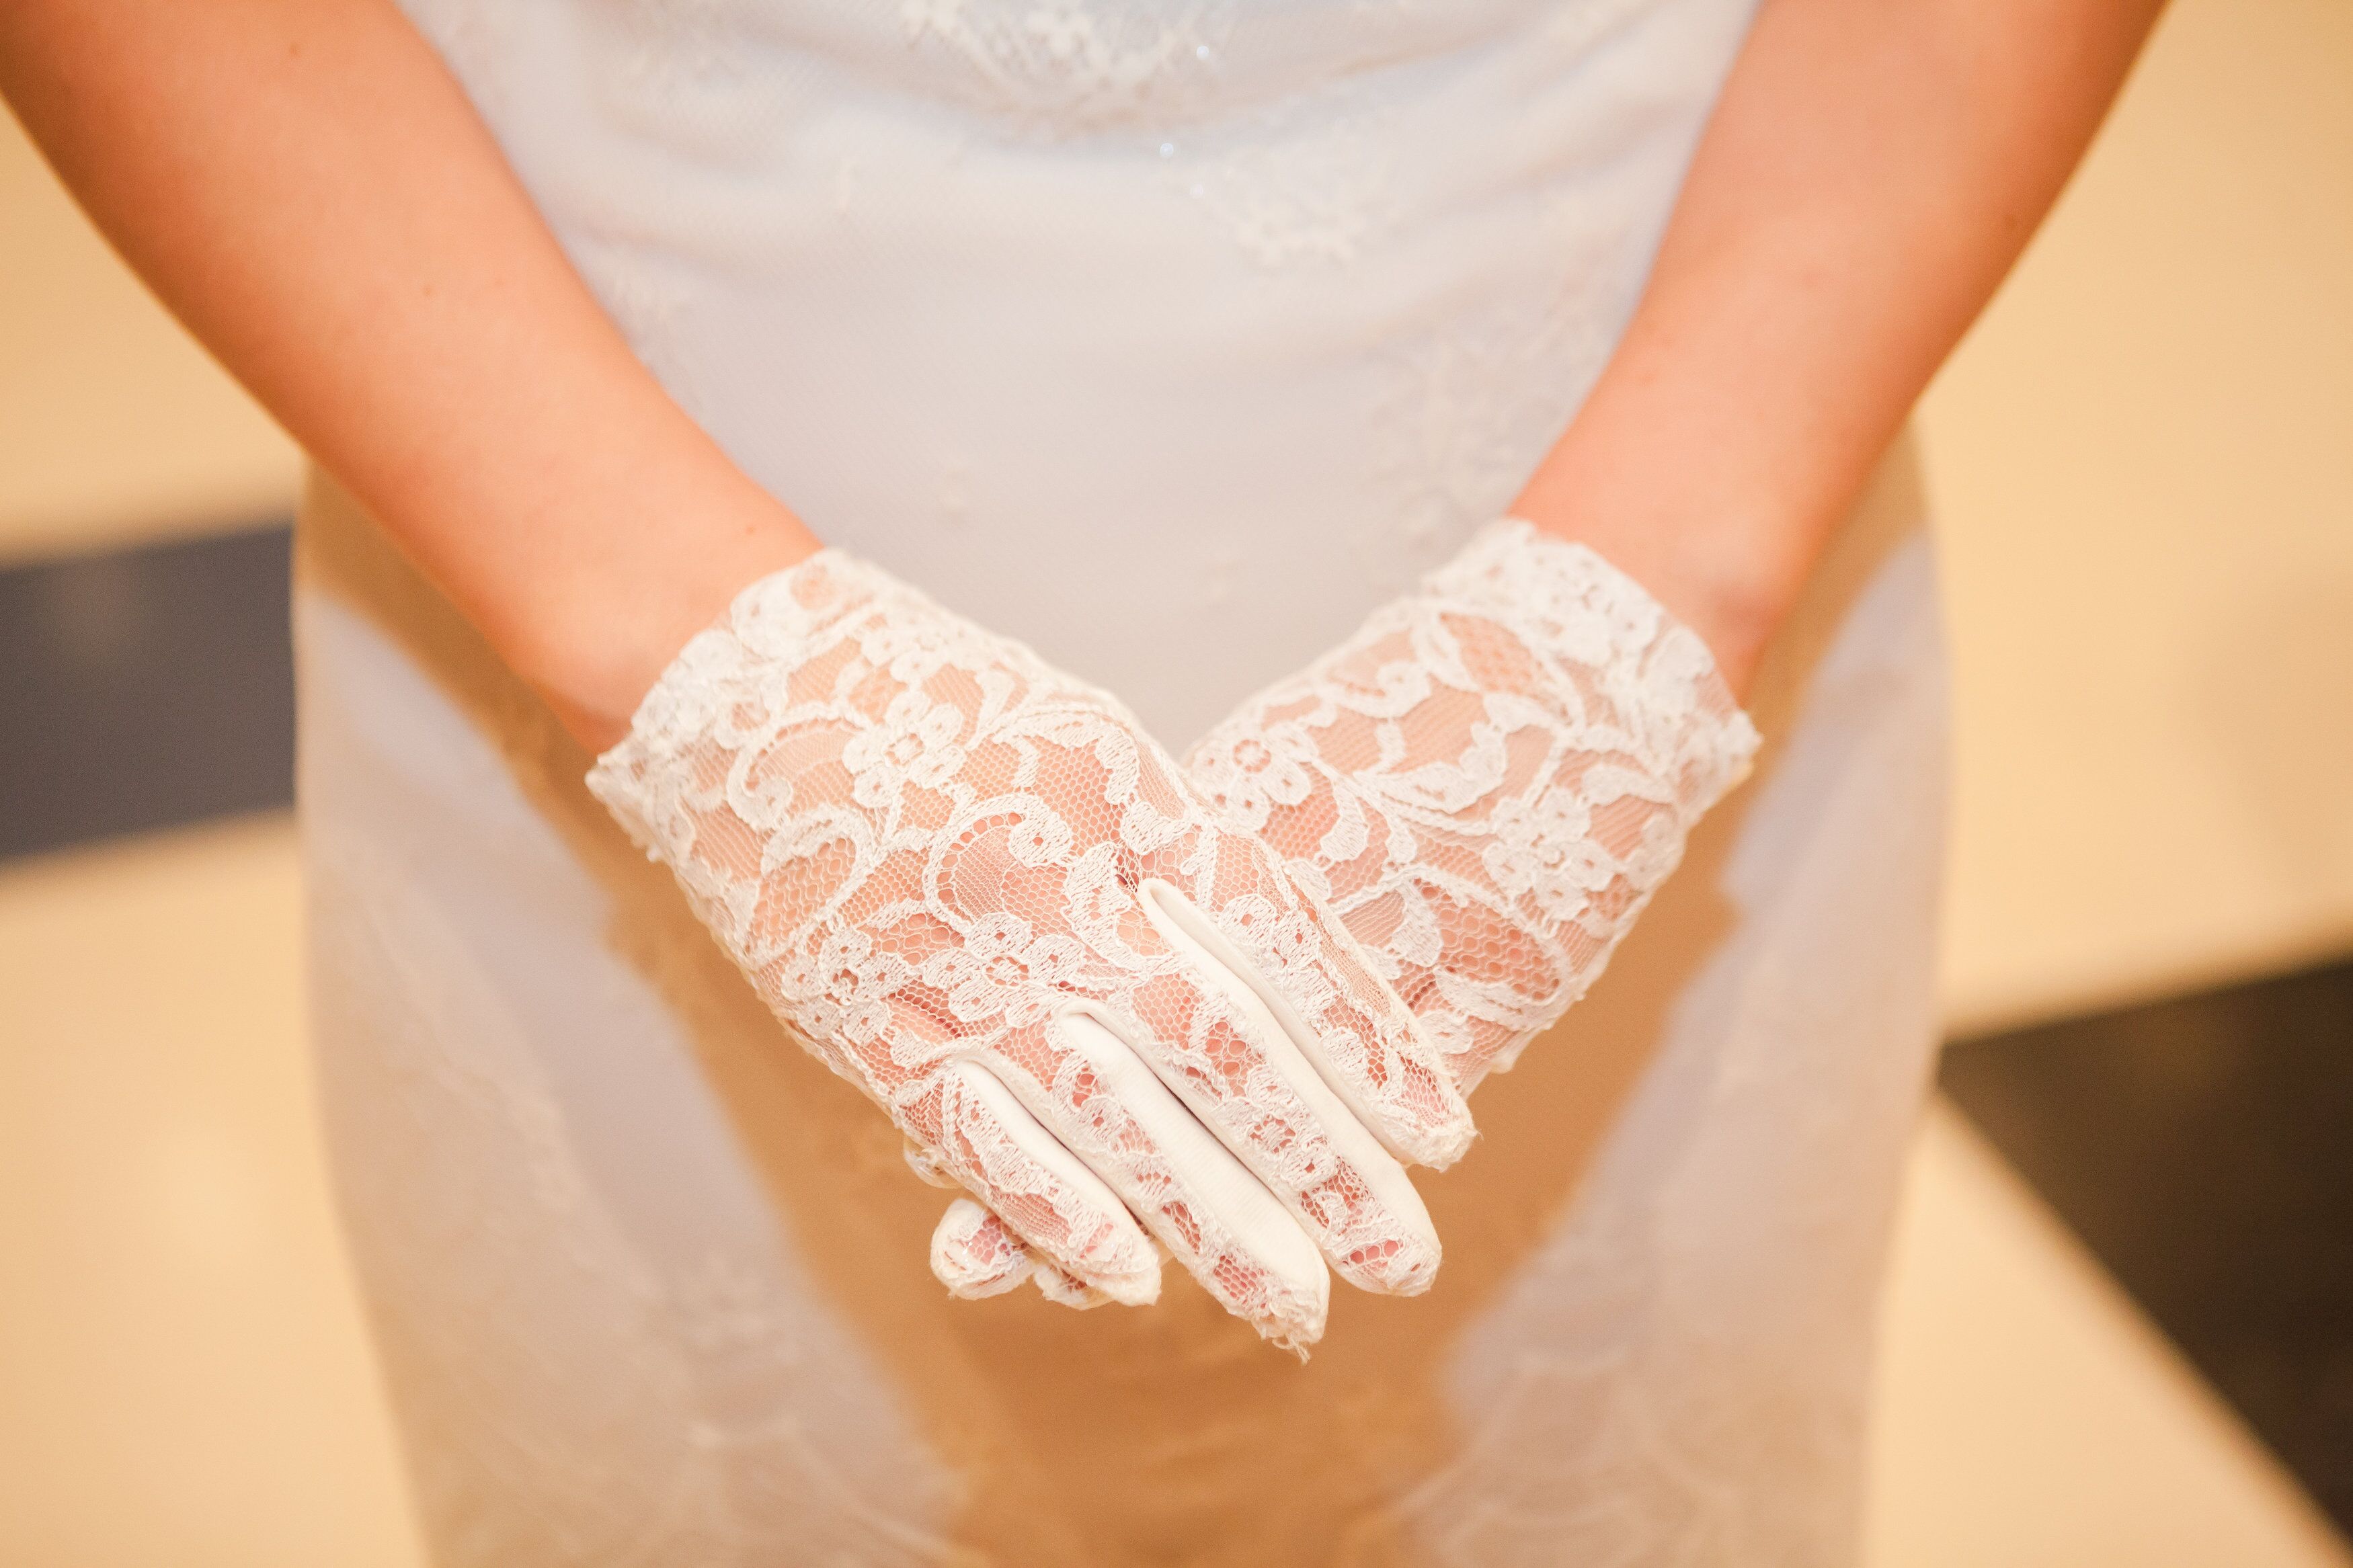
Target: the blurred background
pixel 2120 1326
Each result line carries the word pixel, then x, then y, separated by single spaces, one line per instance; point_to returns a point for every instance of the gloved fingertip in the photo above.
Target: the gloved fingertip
pixel 1400 1265
pixel 975 1255
pixel 1442 1144
pixel 1064 1289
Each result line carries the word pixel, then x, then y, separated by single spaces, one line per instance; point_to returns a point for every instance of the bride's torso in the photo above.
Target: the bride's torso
pixel 1168 335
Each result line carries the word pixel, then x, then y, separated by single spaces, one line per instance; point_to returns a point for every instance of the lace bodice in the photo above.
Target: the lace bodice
pixel 969 281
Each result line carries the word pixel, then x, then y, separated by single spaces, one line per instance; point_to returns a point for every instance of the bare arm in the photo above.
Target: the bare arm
pixel 1873 168
pixel 308 188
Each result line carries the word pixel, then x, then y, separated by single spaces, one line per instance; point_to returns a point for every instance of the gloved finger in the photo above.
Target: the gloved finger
pixel 1047 1195
pixel 975 1255
pixel 1346 1020
pixel 1111 1111
pixel 1064 1290
pixel 1342 1016
pixel 1191 1192
pixel 1209 1037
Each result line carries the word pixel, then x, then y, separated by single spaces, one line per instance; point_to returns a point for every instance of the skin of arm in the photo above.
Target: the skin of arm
pixel 310 192
pixel 1871 171
pixel 308 188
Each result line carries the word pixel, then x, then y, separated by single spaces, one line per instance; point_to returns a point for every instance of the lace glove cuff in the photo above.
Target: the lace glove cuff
pixel 1489 779
pixel 1638 682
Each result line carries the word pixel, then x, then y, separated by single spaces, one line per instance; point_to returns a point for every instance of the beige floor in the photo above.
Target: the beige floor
pixel 2145 483
pixel 183 1377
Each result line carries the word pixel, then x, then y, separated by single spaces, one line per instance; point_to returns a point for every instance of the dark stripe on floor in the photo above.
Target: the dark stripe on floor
pixel 2203 1148
pixel 144 689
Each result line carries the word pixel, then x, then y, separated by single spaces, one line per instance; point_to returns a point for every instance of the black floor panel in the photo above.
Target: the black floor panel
pixel 144 689
pixel 2203 1148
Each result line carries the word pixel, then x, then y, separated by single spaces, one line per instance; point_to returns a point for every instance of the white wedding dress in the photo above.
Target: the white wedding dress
pixel 1169 336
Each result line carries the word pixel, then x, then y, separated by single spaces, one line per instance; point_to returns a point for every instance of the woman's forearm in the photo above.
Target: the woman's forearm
pixel 308 188
pixel 1872 170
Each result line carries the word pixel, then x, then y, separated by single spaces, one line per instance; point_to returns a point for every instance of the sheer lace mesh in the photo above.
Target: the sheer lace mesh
pixel 1489 780
pixel 1486 784
pixel 926 849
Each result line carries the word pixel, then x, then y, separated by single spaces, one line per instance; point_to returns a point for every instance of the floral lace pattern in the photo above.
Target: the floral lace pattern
pixel 1490 780
pixel 929 852
pixel 1486 784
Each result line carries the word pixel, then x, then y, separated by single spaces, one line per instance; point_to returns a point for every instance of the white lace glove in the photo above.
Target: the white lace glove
pixel 979 892
pixel 1486 784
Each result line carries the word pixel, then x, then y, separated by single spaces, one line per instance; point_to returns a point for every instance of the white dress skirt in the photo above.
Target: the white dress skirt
pixel 1170 337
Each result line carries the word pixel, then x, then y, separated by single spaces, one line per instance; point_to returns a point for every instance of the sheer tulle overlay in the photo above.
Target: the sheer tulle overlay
pixel 1172 341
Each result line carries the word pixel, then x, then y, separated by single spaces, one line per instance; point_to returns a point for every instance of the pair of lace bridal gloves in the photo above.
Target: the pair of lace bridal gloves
pixel 1129 1007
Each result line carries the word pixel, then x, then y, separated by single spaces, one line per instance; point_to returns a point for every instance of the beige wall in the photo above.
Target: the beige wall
pixel 2142 461
pixel 114 424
